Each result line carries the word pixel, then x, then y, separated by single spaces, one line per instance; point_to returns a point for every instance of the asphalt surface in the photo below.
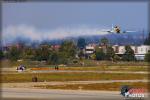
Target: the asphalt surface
pixel 44 94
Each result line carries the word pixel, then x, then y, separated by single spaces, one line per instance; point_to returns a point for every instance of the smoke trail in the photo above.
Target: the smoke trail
pixel 11 33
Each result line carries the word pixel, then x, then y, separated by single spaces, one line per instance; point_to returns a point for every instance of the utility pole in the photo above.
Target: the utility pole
pixel 143 36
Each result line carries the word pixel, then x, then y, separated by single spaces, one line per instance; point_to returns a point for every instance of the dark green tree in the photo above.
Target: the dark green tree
pixel 81 43
pixel 37 55
pixel 116 58
pixel 1 54
pixel 28 53
pixel 42 53
pixel 100 55
pixel 14 53
pixel 54 58
pixel 147 40
pixel 68 49
pixel 129 54
pixel 110 53
pixel 104 41
pixel 147 56
pixel 81 54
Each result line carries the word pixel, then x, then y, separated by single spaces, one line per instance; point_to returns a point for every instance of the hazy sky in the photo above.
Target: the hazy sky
pixel 51 16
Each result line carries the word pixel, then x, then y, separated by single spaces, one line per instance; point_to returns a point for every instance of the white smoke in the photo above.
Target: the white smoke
pixel 10 33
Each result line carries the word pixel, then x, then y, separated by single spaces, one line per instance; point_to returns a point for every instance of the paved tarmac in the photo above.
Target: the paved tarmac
pixel 44 94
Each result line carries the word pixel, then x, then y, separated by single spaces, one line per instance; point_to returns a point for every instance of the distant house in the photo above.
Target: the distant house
pixel 55 47
pixel 139 51
pixel 89 49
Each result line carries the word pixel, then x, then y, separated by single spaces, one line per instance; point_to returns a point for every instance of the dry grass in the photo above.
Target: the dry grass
pixel 69 76
pixel 108 68
pixel 97 86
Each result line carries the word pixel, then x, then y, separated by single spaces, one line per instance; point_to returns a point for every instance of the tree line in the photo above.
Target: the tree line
pixel 69 51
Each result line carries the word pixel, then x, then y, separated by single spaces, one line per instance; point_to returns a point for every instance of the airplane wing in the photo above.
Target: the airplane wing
pixel 129 31
pixel 106 31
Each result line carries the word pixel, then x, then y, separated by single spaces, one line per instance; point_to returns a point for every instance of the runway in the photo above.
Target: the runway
pixel 45 94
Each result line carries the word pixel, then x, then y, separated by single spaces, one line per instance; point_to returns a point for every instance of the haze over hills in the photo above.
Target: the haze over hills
pixel 114 39
pixel 30 35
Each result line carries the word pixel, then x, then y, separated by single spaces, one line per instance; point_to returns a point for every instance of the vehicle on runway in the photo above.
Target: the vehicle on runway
pixel 21 68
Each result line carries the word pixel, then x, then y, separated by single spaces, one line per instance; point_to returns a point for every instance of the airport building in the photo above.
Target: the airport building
pixel 139 51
